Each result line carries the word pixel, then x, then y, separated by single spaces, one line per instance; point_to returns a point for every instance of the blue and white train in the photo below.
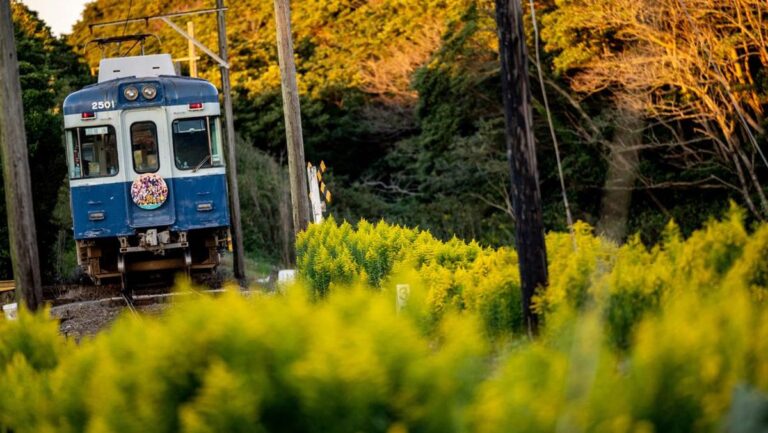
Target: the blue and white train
pixel 146 170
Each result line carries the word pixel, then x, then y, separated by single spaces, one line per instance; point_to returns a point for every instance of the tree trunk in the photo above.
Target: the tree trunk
pixel 521 151
pixel 623 161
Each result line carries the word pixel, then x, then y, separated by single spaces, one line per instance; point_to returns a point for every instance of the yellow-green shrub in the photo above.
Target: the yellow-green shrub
pixel 689 317
pixel 30 350
pixel 625 282
pixel 679 373
pixel 352 363
pixel 457 274
pixel 751 269
pixel 629 281
pixel 271 363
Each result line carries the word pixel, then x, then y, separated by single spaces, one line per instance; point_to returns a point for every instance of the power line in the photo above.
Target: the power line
pixel 127 16
pixel 568 216
pixel 125 27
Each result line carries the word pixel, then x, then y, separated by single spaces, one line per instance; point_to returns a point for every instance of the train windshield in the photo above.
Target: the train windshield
pixel 92 152
pixel 144 147
pixel 196 143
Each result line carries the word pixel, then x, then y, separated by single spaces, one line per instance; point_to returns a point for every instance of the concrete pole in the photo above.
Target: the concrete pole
pixel 292 111
pixel 18 188
pixel 234 194
pixel 191 50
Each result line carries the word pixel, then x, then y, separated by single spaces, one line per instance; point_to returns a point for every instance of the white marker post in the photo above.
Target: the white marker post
pixel 402 295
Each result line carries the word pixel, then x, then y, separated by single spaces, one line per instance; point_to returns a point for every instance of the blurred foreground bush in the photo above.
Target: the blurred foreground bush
pixel 280 364
pixel 350 363
pixel 668 339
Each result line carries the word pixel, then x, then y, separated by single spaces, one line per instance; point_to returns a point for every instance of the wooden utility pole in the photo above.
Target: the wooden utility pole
pixel 292 111
pixel 234 194
pixel 18 188
pixel 521 152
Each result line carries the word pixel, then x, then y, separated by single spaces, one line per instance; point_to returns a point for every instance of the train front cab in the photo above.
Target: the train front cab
pixel 148 183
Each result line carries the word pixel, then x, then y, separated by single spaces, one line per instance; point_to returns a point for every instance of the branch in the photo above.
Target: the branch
pixel 389 188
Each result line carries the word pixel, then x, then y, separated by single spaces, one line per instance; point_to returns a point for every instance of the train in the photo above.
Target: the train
pixel 147 174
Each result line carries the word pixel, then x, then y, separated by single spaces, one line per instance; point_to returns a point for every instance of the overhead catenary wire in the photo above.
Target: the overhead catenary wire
pixel 125 27
pixel 127 16
pixel 537 48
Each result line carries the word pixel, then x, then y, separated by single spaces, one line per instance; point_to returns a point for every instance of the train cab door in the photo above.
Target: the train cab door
pixel 149 168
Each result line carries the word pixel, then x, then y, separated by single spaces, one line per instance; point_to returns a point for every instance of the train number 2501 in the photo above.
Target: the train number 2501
pixel 102 105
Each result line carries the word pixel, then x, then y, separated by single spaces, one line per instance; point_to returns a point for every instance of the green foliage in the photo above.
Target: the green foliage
pixel 268 364
pixel 264 205
pixel 625 282
pixel 629 281
pixel 30 350
pixel 695 358
pixel 453 275
pixel 677 376
pixel 401 99
pixel 335 40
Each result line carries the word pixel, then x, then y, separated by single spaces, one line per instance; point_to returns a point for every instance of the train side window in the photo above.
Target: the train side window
pixel 92 152
pixel 215 142
pixel 196 143
pixel 144 147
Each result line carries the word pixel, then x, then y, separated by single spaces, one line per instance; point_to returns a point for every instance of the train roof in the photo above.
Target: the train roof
pixel 171 90
pixel 152 65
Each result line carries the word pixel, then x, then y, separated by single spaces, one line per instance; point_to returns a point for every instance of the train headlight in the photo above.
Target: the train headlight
pixel 149 91
pixel 131 93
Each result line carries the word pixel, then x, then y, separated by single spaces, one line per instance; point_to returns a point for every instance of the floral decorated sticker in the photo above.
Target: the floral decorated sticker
pixel 149 191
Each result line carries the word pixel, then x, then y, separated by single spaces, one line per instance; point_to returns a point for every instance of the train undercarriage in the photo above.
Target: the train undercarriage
pixel 154 250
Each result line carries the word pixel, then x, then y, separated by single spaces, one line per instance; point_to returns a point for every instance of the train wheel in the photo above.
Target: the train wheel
pixel 124 286
pixel 188 263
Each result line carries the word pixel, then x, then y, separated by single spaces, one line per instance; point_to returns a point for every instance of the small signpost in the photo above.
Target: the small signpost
pixel 402 294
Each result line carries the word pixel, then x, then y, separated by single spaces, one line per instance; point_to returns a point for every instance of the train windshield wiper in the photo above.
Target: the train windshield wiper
pixel 197 167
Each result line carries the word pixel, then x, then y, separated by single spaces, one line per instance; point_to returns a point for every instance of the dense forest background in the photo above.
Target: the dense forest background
pixel 658 106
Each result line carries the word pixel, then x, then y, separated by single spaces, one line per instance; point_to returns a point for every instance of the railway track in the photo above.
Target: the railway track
pixel 142 292
pixel 84 310
pixel 129 303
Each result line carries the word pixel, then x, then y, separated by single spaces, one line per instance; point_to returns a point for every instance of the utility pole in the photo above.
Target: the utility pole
pixel 234 194
pixel 191 50
pixel 18 188
pixel 292 111
pixel 521 152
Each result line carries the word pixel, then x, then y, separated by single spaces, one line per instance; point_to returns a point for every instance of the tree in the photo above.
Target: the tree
pixel 682 62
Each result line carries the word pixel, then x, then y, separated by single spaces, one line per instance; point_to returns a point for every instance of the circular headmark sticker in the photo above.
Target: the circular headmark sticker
pixel 149 191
